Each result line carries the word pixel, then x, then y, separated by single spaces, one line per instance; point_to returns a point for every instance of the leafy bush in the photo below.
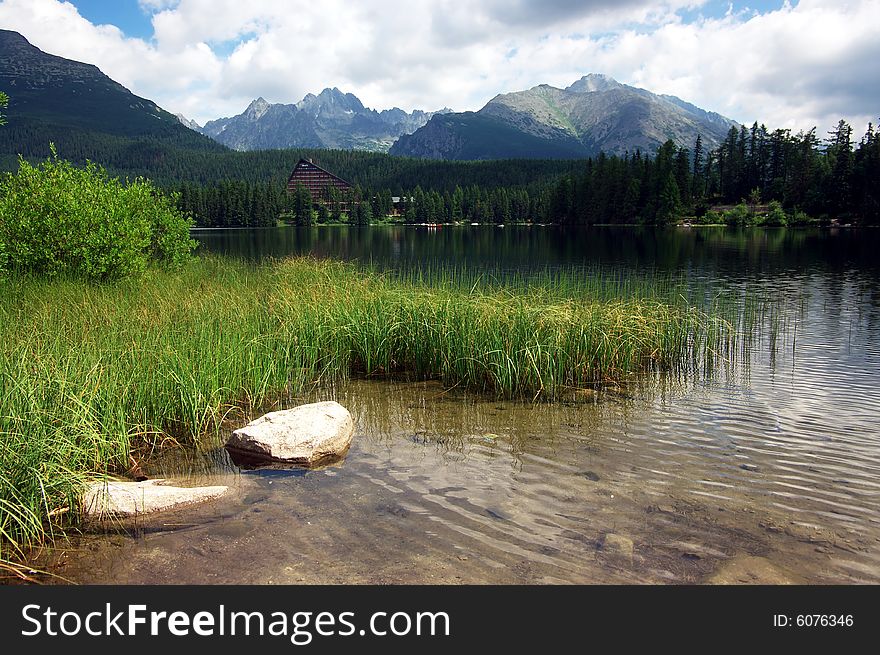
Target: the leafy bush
pixel 775 215
pixel 56 218
pixel 799 217
pixel 739 216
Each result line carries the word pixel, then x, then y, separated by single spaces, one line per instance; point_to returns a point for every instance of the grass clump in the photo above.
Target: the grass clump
pixel 89 372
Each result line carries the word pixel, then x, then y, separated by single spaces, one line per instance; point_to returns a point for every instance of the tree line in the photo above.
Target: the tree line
pixel 787 176
pixel 790 177
pixel 798 175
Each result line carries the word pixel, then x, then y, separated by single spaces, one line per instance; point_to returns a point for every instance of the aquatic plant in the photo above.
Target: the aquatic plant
pixel 90 372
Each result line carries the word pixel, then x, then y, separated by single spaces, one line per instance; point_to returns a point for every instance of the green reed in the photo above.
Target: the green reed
pixel 89 373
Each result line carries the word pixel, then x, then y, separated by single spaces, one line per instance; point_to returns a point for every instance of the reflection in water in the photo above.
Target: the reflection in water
pixel 713 252
pixel 767 473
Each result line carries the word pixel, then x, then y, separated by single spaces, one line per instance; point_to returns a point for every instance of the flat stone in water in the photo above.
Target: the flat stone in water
pixel 122 498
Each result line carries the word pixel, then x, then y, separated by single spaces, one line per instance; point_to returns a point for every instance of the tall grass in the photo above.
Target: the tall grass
pixel 89 372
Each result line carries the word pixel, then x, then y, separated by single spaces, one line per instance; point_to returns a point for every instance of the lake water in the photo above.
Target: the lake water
pixel 766 472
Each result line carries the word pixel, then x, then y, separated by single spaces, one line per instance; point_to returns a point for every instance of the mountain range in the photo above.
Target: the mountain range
pixel 331 119
pixel 61 100
pixel 595 114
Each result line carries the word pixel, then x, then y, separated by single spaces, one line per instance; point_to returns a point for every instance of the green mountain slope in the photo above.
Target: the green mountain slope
pixel 595 114
pixel 56 99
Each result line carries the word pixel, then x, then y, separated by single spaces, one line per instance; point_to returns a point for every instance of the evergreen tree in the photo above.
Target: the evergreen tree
pixel 457 204
pixel 302 205
pixel 866 173
pixel 421 205
pixel 670 201
pixel 683 176
pixel 838 192
pixel 335 204
pixel 698 175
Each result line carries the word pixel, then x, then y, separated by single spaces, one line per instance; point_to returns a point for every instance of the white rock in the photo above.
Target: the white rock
pixel 307 435
pixel 122 498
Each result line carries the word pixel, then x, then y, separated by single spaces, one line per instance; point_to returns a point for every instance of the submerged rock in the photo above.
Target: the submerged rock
pixel 308 435
pixel 749 569
pixel 121 498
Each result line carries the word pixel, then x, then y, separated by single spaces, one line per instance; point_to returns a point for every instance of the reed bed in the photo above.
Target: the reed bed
pixel 89 372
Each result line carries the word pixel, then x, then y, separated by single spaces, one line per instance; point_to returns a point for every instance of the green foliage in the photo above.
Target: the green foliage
pixel 302 205
pixel 361 213
pixel 799 217
pixel 58 219
pixel 712 217
pixel 4 102
pixel 776 215
pixel 739 216
pixel 223 188
pixel 670 201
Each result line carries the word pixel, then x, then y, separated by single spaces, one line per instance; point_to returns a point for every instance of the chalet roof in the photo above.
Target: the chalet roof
pixel 309 163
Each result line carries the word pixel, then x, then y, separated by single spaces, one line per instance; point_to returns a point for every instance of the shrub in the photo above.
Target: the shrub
pixel 57 219
pixel 799 217
pixel 776 215
pixel 739 216
pixel 712 217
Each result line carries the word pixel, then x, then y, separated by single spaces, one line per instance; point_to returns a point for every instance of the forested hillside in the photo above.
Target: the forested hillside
pixel 754 177
pixel 831 178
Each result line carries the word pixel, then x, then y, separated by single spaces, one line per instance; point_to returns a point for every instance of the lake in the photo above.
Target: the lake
pixel 765 472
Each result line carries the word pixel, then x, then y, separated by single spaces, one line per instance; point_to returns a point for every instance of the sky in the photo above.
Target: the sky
pixel 787 64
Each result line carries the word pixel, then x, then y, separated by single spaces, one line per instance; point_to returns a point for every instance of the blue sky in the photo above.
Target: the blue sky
pixel 127 15
pixel 788 64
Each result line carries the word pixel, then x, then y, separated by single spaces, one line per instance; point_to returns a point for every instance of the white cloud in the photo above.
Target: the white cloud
pixel 798 66
pixel 795 67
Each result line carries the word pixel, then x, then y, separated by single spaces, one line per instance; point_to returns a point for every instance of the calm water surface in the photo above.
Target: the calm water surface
pixel 768 472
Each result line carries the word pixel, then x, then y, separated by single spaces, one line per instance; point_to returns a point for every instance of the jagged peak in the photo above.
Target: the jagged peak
pixel 191 124
pixel 257 108
pixel 592 82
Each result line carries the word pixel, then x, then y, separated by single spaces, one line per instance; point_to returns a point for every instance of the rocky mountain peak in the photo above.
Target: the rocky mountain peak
pixel 331 119
pixel 191 124
pixel 257 108
pixel 593 82
pixel 334 99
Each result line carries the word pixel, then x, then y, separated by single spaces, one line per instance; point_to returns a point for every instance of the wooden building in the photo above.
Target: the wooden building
pixel 316 180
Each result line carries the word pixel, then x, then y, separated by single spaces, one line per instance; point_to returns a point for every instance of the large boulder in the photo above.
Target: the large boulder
pixel 308 435
pixel 122 498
